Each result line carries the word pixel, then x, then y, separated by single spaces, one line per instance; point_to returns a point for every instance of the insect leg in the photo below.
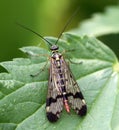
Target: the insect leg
pixel 42 69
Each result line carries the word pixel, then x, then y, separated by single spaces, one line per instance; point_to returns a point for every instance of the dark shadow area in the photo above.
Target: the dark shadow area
pixel 111 40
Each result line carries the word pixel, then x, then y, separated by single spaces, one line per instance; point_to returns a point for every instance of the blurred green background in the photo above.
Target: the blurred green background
pixel 46 17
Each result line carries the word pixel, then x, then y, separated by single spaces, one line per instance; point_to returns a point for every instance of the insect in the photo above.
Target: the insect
pixel 63 90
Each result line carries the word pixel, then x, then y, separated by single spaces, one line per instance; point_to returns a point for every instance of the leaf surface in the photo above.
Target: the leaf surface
pixel 96 69
pixel 101 23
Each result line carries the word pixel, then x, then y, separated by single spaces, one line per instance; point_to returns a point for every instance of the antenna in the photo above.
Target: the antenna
pixel 34 32
pixel 67 23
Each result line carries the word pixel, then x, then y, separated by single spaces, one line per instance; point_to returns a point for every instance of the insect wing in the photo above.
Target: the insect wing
pixel 75 97
pixel 54 102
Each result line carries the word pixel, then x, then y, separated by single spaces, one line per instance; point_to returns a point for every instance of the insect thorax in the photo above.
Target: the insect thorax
pixel 56 56
pixel 55 53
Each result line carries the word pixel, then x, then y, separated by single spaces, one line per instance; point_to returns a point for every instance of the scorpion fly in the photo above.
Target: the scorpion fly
pixel 63 90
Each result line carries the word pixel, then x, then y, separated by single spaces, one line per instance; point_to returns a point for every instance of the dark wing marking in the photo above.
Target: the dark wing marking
pixel 75 97
pixel 54 102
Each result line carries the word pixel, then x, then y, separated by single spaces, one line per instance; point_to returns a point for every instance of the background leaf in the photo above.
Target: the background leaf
pixel 101 23
pixel 95 67
pixel 35 14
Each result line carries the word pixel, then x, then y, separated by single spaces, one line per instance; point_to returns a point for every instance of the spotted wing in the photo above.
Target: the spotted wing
pixel 75 97
pixel 54 102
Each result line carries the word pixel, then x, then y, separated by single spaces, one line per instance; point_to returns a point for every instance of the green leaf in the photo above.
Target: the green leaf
pixel 96 69
pixel 101 23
